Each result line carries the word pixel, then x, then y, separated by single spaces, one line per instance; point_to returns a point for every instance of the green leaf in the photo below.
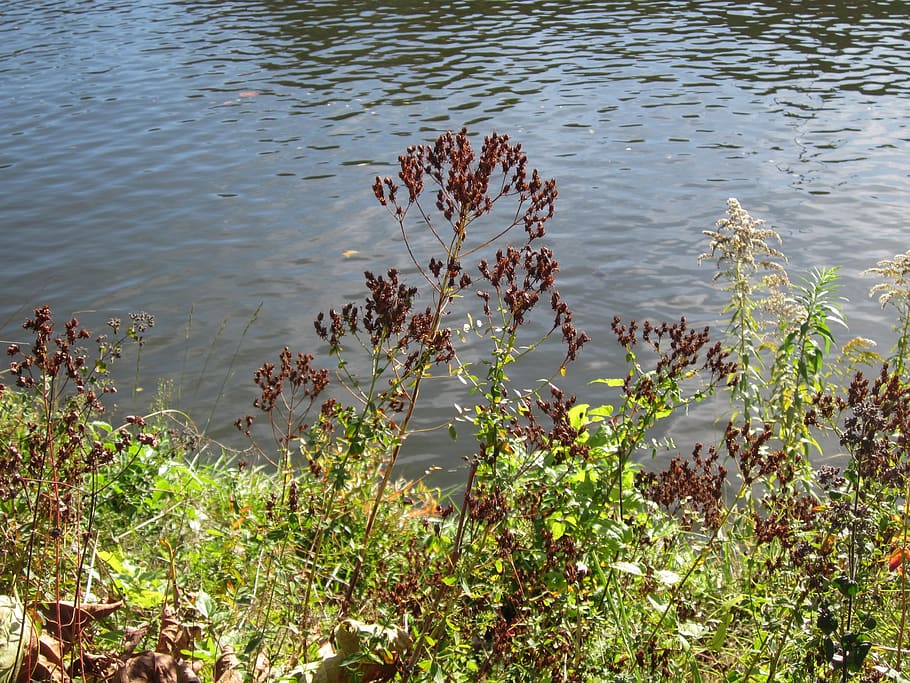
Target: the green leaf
pixel 601 411
pixel 557 528
pixel 578 415
pixel 112 560
pixel 204 604
pixel 847 586
pixel 717 642
pixel 614 382
pixel 827 622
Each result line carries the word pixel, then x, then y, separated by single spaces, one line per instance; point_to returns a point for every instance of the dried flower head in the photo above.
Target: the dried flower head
pixel 738 245
pixel 895 286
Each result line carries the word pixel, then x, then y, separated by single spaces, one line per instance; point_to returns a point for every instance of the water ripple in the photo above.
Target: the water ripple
pixel 166 154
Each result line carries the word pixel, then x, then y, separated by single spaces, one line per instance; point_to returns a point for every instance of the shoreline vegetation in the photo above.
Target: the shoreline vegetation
pixel 129 553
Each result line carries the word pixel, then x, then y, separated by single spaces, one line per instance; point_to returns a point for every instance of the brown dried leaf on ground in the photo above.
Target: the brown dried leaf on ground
pixel 362 652
pixel 132 636
pixel 65 620
pixel 156 667
pixel 149 667
pixel 174 636
pixel 226 668
pixel 50 660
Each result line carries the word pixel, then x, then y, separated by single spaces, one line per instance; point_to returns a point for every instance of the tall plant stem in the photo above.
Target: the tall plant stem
pixel 903 585
pixel 443 294
pixel 442 589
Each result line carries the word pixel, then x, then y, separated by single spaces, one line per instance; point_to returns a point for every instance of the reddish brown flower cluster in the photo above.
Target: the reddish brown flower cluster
pixel 693 490
pixel 678 349
pixel 468 185
pixel 303 379
pixel 60 448
pixel 43 358
pixel 563 440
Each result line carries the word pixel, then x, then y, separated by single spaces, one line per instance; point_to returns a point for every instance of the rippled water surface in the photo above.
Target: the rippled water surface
pixel 198 159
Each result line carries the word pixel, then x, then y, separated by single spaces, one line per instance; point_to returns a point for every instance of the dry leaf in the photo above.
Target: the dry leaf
pixel 149 667
pixel 132 636
pixel 65 620
pixel 226 668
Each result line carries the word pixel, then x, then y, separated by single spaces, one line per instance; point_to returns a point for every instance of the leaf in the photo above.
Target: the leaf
pixel 226 668
pixel 601 411
pixel 203 604
pixel 578 415
pixel 613 382
pixel 667 576
pixel 65 620
pixel 112 560
pixel 847 586
pixel 14 648
pixel 148 667
pixel 628 568
pixel 557 528
pixel 717 641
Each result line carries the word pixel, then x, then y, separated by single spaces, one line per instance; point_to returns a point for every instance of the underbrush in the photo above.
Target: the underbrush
pixel 136 552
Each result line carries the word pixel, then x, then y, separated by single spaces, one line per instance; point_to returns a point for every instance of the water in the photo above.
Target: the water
pixel 200 159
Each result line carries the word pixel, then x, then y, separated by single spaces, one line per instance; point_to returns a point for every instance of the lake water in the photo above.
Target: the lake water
pixel 199 159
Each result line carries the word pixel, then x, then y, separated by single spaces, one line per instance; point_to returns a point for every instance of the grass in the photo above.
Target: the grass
pixel 565 556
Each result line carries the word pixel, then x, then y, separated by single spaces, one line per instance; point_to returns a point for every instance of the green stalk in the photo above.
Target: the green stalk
pixel 903 583
pixel 420 373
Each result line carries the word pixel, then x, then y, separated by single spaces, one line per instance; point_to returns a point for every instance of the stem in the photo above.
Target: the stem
pixel 442 588
pixel 419 373
pixel 699 560
pixel 903 584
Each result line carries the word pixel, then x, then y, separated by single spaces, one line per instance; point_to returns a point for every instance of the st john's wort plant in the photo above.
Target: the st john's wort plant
pixel 864 527
pixel 561 538
pixel 683 356
pixel 445 200
pixel 52 451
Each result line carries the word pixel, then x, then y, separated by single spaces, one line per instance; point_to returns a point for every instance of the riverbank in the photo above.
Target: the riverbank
pixel 142 550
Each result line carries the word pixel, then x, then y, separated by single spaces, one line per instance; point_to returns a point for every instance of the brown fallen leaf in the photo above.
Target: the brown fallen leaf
pixel 132 636
pixel 149 667
pixel 169 632
pixel 65 620
pixel 50 654
pixel 226 668
pixel 369 650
